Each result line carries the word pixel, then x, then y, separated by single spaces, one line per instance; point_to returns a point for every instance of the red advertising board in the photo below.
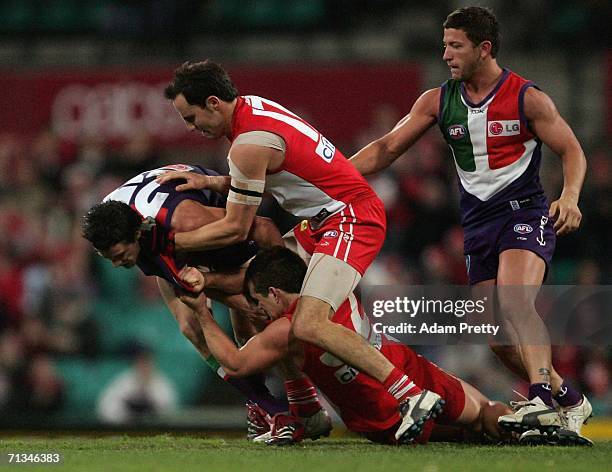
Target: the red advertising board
pixel 114 104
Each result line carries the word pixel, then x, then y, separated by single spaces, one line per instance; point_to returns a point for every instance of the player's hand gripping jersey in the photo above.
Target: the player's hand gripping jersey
pixel 153 200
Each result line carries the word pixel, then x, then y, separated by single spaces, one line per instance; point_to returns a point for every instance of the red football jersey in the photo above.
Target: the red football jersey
pixel 315 179
pixel 362 402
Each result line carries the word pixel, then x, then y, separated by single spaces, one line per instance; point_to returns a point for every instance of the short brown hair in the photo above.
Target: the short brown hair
pixel 199 80
pixel 479 24
pixel 276 267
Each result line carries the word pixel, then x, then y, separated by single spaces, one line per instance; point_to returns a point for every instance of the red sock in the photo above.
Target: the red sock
pixel 302 396
pixel 400 386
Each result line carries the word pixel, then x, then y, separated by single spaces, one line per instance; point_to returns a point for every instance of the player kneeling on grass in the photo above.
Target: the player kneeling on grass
pixel 272 283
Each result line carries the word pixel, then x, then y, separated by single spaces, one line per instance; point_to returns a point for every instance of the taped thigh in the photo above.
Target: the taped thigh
pixel 329 279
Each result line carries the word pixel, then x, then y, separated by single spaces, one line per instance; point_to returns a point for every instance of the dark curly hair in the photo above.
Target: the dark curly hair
pixel 276 267
pixel 479 24
pixel 109 223
pixel 199 80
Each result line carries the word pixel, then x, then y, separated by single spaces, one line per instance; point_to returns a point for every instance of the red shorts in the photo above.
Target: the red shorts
pixel 354 235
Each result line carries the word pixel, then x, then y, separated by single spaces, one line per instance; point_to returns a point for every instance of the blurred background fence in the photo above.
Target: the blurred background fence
pixel 83 110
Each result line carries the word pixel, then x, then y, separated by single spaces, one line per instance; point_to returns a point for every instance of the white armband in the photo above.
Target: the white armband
pixel 243 190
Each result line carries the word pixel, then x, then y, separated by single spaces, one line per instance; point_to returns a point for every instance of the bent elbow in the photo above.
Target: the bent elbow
pixel 234 233
pixel 240 234
pixel 232 365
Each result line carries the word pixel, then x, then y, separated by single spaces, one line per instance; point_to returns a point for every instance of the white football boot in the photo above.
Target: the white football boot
pixel 573 418
pixel 531 414
pixel 415 411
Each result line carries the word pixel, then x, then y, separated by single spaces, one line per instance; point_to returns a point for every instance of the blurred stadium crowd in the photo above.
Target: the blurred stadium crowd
pixel 49 275
pixel 50 279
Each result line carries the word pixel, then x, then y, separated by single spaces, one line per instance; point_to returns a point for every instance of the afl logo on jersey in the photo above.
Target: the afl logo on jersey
pixel 457 131
pixel 522 228
pixel 330 234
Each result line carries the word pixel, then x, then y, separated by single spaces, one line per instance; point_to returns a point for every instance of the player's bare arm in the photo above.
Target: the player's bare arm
pixel 216 183
pixel 228 282
pixel 185 317
pixel 261 352
pixel 551 128
pixel 248 165
pixel 202 281
pixel 380 154
pixel 233 228
pixel 190 215
pixel 265 233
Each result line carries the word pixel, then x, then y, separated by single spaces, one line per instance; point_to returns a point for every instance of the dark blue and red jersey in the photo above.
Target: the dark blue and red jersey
pixel 159 201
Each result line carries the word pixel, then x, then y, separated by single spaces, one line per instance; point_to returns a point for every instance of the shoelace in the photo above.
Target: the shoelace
pixel 517 405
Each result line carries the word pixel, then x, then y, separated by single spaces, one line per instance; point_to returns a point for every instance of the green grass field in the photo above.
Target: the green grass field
pixel 187 453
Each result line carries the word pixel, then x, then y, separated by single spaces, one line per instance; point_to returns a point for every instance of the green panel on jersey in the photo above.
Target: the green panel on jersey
pixel 454 126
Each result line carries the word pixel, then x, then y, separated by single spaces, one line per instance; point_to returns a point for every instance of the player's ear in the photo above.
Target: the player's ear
pixel 212 102
pixel 485 48
pixel 275 293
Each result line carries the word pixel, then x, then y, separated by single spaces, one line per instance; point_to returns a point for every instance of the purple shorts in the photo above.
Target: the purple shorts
pixel 526 228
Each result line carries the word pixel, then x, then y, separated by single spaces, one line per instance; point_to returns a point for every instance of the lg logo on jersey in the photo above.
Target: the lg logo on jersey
pixel 503 128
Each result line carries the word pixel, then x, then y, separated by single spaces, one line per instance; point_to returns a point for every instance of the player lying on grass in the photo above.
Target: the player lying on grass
pixel 121 230
pixel 272 283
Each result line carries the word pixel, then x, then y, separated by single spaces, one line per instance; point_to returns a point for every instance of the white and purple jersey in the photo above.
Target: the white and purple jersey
pixel 496 154
pixel 151 199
